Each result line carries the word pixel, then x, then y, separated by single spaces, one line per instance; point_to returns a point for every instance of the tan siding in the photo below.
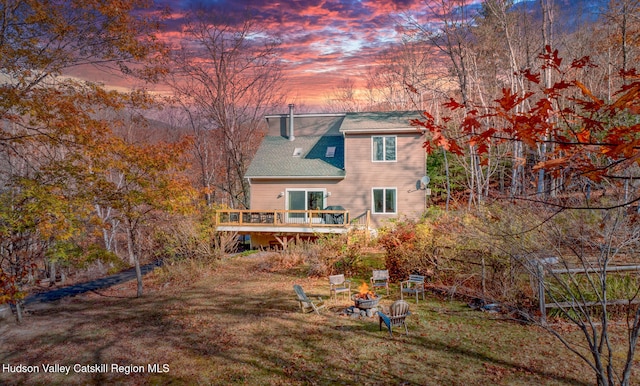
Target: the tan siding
pixel 354 193
pixel 362 175
pixel 264 193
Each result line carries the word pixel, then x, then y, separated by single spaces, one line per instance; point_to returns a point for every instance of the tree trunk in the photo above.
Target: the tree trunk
pixel 131 245
pixel 547 37
pixel 52 273
pixel 133 256
pixel 483 280
pixel 448 184
pixel 19 312
pixel 138 278
pixel 634 332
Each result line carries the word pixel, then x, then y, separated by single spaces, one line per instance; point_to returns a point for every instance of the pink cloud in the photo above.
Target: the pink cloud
pixel 323 41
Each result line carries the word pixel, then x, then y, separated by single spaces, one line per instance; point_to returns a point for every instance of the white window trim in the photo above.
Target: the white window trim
pixel 384 189
pixel 384 148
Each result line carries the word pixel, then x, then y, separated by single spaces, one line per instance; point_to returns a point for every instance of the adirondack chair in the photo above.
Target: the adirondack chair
pixel 306 304
pixel 380 278
pixel 414 285
pixel 338 284
pixel 397 314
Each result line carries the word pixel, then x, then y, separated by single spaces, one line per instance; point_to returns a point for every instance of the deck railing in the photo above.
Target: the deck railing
pixel 289 218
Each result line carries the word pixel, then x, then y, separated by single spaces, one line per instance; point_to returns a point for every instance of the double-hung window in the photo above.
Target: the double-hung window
pixel 383 148
pixel 384 200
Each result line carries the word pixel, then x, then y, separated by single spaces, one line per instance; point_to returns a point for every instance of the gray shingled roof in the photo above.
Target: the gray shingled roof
pixel 275 158
pixel 379 121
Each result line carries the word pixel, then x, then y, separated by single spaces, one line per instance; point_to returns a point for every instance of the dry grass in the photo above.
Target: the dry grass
pixel 241 325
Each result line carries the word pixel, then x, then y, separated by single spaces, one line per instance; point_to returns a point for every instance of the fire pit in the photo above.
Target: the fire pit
pixel 366 303
pixel 370 300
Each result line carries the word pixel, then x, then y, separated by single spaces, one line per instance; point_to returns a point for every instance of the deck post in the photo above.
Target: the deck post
pixel 283 241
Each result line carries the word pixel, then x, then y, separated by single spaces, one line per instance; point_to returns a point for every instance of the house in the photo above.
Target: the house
pixel 319 173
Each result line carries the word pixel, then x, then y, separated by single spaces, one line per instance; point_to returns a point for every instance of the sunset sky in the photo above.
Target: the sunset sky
pixel 323 41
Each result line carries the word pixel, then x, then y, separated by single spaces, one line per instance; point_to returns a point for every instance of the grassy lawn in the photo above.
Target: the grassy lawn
pixel 238 324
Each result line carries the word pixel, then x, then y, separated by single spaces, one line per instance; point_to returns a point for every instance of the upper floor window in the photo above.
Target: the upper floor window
pixel 384 148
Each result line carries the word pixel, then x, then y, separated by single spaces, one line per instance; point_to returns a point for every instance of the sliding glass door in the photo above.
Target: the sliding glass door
pixel 304 199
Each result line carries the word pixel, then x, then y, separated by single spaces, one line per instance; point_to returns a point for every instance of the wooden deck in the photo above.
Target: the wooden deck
pixel 284 224
pixel 289 218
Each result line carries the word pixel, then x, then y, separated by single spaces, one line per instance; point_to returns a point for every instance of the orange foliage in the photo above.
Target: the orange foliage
pixel 581 132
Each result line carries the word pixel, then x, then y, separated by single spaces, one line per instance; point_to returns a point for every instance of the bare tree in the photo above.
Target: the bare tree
pixel 344 97
pixel 504 42
pixel 585 235
pixel 623 14
pixel 584 271
pixel 227 74
pixel 405 77
pixel 452 35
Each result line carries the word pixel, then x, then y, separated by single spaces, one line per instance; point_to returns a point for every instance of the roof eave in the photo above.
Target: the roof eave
pixel 303 115
pixel 397 130
pixel 295 177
